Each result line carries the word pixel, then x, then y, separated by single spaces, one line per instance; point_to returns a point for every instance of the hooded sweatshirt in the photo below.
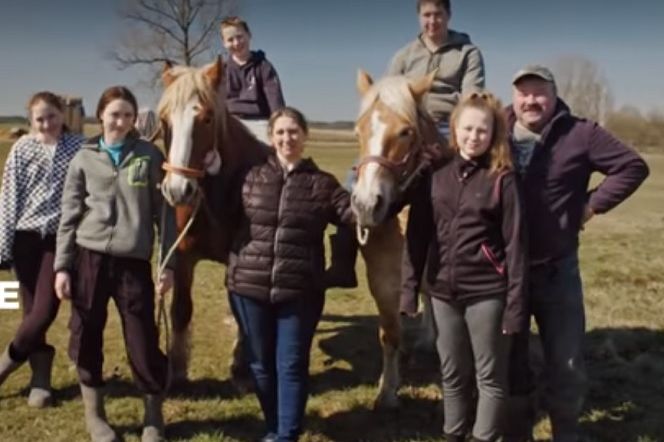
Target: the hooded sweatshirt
pixel 460 70
pixel 253 90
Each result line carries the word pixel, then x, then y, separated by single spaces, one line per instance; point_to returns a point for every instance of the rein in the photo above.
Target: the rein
pixel 162 318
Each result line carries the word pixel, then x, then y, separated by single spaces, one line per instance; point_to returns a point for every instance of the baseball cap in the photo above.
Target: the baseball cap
pixel 533 70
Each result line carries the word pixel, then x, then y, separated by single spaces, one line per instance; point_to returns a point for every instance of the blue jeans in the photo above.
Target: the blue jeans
pixel 556 297
pixel 278 343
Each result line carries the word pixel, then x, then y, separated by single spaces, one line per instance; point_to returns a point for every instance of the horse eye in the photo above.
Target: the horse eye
pixel 405 133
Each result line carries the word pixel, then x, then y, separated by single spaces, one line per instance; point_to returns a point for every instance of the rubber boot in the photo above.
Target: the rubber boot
pixel 95 415
pixel 41 363
pixel 341 272
pixel 153 423
pixel 7 365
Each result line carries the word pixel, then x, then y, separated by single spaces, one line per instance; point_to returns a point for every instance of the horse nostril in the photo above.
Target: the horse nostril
pixel 188 189
pixel 379 203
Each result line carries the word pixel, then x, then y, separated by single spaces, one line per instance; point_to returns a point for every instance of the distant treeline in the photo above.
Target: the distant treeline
pixel 21 121
pixel 645 132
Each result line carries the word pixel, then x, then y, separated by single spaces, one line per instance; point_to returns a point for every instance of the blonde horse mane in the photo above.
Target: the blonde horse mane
pixel 190 82
pixel 396 94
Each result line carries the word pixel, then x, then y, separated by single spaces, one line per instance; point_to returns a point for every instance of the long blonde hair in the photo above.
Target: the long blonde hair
pixel 499 149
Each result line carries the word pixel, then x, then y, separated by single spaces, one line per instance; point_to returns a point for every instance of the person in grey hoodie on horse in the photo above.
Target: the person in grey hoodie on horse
pixel 459 70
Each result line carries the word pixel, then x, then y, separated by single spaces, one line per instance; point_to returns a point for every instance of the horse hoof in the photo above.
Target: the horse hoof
pixel 386 401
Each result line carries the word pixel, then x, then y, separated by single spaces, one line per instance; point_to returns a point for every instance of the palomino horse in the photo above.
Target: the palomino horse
pixel 393 130
pixel 194 121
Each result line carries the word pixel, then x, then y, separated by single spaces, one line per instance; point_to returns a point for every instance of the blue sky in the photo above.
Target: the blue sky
pixel 317 46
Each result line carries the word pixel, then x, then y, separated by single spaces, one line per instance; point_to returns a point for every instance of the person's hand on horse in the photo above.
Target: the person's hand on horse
pixel 63 285
pixel 212 162
pixel 165 282
pixel 432 154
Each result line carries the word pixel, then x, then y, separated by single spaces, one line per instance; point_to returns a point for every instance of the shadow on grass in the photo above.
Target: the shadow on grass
pixel 245 428
pixel 416 419
pixel 625 401
pixel 199 389
pixel 354 340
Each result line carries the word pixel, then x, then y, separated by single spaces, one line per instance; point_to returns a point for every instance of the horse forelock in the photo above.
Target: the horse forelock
pixel 190 83
pixel 395 94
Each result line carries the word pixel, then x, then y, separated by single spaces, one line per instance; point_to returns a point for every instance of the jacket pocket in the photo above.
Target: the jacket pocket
pixel 489 255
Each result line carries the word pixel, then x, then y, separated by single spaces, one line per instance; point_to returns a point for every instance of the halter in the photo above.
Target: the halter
pixel 402 170
pixel 187 172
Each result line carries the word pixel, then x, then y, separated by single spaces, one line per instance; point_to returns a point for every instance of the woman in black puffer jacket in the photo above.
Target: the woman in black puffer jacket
pixel 276 267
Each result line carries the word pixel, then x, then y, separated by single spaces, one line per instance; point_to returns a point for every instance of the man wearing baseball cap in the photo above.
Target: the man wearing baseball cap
pixel 555 153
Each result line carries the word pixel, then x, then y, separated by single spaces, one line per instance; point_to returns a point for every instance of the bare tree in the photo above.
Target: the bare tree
pixel 182 31
pixel 583 87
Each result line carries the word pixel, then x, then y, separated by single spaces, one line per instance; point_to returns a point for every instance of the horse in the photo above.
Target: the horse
pixel 394 131
pixel 194 122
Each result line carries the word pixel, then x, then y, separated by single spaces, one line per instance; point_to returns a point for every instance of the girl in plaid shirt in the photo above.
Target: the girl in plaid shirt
pixel 30 205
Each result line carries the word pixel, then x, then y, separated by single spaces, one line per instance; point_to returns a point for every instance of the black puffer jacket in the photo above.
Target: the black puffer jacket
pixel 278 252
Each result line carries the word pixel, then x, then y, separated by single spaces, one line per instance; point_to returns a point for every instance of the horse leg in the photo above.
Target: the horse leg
pixel 181 312
pixel 382 255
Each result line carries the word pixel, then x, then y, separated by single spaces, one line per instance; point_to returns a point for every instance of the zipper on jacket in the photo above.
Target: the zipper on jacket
pixel 454 224
pixel 116 175
pixel 276 234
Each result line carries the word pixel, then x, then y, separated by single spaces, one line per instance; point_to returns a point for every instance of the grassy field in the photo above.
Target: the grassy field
pixel 624 284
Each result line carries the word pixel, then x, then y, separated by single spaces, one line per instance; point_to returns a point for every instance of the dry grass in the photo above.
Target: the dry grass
pixel 622 268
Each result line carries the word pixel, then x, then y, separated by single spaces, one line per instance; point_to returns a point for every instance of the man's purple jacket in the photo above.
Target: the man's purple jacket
pixel 555 184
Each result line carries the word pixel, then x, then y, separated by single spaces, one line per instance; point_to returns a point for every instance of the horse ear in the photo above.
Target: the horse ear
pixel 364 82
pixel 214 72
pixel 166 76
pixel 422 85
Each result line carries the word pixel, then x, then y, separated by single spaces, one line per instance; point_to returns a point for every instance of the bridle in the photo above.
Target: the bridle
pixel 405 169
pixel 187 172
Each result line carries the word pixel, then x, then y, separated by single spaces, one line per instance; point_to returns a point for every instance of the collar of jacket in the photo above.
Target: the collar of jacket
pixel 465 168
pixel 454 38
pixel 562 112
pixel 305 165
pixel 129 144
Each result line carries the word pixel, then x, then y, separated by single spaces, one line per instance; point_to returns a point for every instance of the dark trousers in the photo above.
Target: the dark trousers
pixel 556 298
pixel 129 282
pixel 33 263
pixel 278 343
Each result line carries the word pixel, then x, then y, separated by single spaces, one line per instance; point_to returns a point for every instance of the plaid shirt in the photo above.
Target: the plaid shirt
pixel 32 188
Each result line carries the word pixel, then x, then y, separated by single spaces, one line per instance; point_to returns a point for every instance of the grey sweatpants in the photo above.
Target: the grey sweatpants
pixel 471 346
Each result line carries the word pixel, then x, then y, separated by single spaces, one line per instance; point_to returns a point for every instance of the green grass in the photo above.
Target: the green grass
pixel 624 285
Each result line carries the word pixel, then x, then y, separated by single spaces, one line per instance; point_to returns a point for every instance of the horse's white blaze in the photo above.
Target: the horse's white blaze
pixel 182 123
pixel 370 184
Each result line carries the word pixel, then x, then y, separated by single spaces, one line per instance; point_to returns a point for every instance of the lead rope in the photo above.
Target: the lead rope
pixel 162 318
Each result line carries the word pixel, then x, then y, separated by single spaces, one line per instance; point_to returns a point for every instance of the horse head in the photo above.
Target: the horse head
pixel 192 115
pixel 392 128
